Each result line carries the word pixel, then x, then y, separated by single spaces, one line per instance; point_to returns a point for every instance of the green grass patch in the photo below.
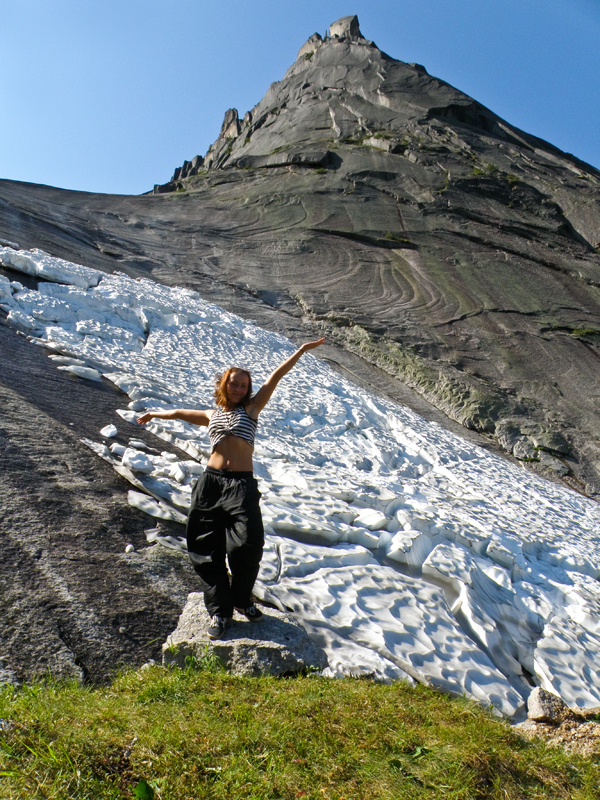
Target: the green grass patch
pixel 392 237
pixel 586 332
pixel 383 135
pixel 357 140
pixel 192 734
pixel 486 169
pixel 280 149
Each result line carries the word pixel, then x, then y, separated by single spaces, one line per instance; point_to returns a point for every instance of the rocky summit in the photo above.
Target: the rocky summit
pixel 437 246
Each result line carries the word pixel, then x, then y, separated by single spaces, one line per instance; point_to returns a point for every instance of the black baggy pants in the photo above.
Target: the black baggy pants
pixel 225 522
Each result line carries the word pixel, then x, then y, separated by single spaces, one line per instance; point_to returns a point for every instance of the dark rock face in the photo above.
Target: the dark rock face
pixel 419 231
pixel 73 603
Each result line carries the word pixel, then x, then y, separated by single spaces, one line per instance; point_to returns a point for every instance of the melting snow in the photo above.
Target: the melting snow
pixel 404 550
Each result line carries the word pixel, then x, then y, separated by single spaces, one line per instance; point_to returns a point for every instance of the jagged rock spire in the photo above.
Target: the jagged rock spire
pixel 231 124
pixel 345 28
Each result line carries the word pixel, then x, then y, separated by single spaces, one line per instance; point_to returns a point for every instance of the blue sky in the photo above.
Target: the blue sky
pixel 112 95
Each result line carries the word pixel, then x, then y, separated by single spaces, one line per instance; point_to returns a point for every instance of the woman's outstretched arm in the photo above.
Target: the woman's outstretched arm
pixel 262 397
pixel 186 414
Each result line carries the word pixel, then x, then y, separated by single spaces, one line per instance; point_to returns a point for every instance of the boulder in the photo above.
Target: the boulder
pixel 589 713
pixel 555 464
pixel 277 645
pixel 345 28
pixel 544 706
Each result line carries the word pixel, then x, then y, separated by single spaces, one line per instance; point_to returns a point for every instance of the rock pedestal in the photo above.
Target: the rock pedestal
pixel 277 645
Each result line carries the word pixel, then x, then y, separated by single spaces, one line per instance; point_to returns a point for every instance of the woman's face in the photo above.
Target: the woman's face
pixel 237 386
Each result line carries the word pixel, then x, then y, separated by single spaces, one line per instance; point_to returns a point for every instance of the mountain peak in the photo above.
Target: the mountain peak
pixel 341 89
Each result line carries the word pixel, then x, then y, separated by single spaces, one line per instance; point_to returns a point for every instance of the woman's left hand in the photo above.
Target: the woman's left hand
pixel 311 345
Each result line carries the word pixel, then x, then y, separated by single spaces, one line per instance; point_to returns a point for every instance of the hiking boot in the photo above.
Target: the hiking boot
pixel 251 612
pixel 217 627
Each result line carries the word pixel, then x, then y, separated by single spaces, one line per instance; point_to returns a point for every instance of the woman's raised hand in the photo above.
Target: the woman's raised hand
pixel 311 345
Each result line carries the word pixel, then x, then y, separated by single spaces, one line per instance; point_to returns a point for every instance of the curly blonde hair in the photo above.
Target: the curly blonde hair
pixel 220 392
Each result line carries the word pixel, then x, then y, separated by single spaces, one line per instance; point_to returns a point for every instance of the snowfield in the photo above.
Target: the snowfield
pixel 403 550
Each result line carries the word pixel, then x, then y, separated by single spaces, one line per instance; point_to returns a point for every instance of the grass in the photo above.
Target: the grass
pixel 586 332
pixel 202 733
pixel 392 237
pixel 485 169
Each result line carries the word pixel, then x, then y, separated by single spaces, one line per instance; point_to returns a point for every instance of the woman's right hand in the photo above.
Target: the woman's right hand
pixel 311 345
pixel 144 418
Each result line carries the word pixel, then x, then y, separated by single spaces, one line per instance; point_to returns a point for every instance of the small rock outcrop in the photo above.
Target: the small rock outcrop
pixel 551 719
pixel 187 170
pixel 345 28
pixel 277 645
pixel 311 44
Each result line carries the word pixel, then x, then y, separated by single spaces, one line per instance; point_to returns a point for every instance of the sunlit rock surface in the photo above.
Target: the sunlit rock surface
pixel 402 549
pixel 278 646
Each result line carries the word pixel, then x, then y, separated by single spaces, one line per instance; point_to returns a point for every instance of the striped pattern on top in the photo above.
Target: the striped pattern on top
pixel 231 423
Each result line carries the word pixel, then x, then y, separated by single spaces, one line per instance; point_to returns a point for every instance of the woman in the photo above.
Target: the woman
pixel 224 518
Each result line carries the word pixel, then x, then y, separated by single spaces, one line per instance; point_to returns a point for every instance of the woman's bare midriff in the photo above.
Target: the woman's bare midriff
pixel 232 453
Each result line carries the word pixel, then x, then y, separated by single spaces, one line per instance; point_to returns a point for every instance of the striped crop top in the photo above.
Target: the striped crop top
pixel 231 423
